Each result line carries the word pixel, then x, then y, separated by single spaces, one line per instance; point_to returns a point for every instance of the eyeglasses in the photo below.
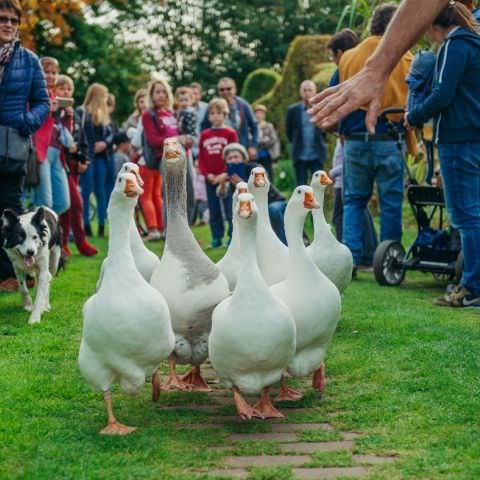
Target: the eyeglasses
pixel 14 21
pixel 225 89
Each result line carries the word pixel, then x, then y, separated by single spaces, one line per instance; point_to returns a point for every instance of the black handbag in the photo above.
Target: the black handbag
pixel 15 151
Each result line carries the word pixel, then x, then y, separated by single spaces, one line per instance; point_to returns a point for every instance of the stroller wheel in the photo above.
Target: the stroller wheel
pixel 388 263
pixel 443 277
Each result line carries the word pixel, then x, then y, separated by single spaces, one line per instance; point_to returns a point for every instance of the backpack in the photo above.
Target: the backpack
pixel 420 79
pixel 148 154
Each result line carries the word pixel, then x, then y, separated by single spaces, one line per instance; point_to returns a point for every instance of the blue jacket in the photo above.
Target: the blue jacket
pixel 24 102
pixel 455 99
pixel 293 127
pixel 248 130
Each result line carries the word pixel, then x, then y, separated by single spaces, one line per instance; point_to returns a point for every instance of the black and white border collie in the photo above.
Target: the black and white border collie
pixel 33 244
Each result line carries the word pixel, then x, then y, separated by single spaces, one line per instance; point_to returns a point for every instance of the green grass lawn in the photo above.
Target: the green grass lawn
pixel 403 373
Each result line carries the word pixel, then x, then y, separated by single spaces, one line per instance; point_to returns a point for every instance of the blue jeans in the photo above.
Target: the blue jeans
pixel 52 191
pixel 366 162
pixel 217 224
pixel 276 212
pixel 98 178
pixel 302 168
pixel 460 167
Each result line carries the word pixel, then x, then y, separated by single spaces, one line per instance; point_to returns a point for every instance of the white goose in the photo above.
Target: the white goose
pixel 145 260
pixel 126 325
pixel 312 298
pixel 272 253
pixel 230 263
pixel 253 332
pixel 190 282
pixel 332 257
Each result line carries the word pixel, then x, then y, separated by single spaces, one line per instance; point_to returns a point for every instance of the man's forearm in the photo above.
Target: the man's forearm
pixel 408 25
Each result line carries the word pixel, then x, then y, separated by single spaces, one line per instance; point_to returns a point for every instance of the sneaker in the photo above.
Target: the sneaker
pixel 88 231
pixel 101 231
pixel 153 236
pixel 87 249
pixel 459 297
pixel 9 285
pixel 216 243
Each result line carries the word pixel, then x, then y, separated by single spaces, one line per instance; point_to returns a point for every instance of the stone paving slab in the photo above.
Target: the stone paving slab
pixel 237 419
pixel 349 435
pixel 373 459
pixel 200 408
pixel 231 472
pixel 267 460
pixel 328 473
pixel 299 427
pixel 312 447
pixel 265 437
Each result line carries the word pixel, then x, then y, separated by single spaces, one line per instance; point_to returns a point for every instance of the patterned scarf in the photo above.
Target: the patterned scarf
pixel 6 52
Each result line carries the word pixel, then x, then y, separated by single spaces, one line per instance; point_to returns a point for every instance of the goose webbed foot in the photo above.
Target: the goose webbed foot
pixel 287 394
pixel 156 387
pixel 265 407
pixel 195 380
pixel 244 410
pixel 319 380
pixel 114 427
pixel 174 382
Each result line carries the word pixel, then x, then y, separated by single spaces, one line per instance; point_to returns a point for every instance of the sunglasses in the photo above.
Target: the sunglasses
pixel 14 21
pixel 225 89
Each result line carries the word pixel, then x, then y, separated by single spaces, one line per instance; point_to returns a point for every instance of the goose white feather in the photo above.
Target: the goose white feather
pixel 332 257
pixel 311 297
pixel 126 328
pixel 272 253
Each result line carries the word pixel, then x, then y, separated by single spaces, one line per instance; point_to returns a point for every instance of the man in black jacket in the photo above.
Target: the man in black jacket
pixel 308 143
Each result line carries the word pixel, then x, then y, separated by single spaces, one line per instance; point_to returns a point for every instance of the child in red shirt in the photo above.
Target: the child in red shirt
pixel 213 167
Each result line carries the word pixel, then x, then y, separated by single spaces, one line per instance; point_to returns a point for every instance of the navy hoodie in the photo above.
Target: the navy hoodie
pixel 455 99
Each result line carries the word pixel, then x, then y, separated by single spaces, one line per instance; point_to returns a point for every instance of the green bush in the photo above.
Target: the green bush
pixel 258 83
pixel 324 74
pixel 304 56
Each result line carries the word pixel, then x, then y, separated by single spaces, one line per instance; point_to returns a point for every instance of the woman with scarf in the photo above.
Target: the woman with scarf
pixel 24 105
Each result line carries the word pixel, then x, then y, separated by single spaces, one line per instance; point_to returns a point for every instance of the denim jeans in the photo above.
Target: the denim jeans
pixel 302 168
pixel 460 167
pixel 52 191
pixel 217 222
pixel 276 212
pixel 98 178
pixel 366 162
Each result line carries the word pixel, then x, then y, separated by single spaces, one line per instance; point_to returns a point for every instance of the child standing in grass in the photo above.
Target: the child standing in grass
pixel 213 167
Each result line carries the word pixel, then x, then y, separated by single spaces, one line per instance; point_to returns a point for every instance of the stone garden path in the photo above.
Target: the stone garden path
pixel 298 441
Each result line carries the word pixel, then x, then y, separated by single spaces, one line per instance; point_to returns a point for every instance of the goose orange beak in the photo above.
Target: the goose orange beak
pixel 140 181
pixel 325 179
pixel 309 201
pixel 245 209
pixel 259 180
pixel 132 189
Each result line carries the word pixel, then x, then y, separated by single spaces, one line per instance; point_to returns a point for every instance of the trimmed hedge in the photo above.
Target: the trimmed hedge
pixel 258 83
pixel 306 54
pixel 324 74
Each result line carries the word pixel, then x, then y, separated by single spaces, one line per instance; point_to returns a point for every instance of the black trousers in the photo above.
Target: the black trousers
pixel 302 169
pixel 11 188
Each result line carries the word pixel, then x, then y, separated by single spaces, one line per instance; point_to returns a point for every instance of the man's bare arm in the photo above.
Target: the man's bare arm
pixel 367 86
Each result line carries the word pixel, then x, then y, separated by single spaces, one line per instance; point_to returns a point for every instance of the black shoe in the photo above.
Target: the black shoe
pixel 88 231
pixel 354 272
pixel 101 231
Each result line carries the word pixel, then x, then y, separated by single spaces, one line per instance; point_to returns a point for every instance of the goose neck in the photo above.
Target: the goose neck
pixel 250 272
pixel 175 185
pixel 294 222
pixel 120 214
pixel 318 214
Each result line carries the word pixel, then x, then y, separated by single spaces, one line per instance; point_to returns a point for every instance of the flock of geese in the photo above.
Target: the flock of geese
pixel 263 310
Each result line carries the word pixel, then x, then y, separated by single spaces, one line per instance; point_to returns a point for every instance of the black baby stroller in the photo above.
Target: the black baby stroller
pixel 435 249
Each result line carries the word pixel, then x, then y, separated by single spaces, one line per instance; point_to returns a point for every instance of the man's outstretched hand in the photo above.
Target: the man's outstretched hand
pixel 365 89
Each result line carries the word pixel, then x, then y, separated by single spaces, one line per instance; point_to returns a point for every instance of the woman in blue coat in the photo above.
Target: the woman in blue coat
pixel 24 105
pixel 454 104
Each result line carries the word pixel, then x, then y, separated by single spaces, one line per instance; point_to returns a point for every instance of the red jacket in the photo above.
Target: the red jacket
pixel 210 149
pixel 165 127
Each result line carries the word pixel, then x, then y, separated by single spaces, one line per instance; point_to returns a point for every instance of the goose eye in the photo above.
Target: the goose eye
pixel 119 180
pixel 299 191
